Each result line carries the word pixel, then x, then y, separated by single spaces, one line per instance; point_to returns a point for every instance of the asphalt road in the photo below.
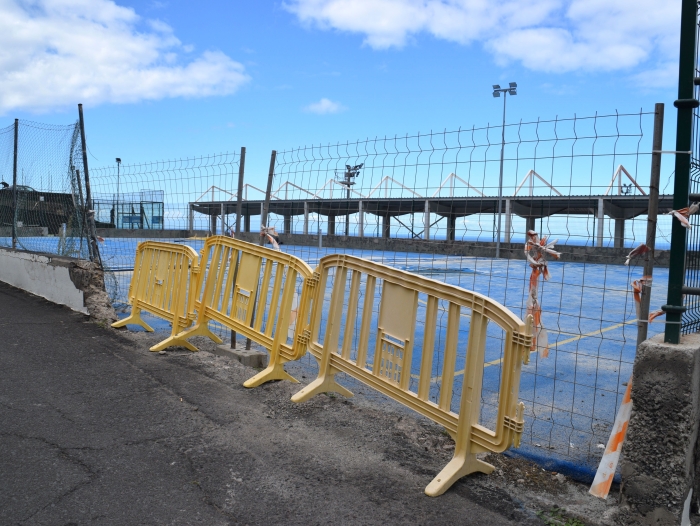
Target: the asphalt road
pixel 94 429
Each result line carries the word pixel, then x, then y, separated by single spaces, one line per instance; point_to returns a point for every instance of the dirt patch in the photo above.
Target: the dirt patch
pixel 89 278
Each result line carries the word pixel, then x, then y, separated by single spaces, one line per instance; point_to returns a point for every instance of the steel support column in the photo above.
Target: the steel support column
pixel 601 223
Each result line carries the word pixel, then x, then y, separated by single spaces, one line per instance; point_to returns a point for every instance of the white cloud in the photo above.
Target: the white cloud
pixel 55 53
pixel 325 106
pixel 544 35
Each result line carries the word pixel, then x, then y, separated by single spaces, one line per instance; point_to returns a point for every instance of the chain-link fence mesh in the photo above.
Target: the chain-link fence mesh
pixel 45 209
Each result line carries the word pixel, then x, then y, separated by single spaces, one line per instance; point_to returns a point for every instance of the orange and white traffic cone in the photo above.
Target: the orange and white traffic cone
pixel 608 464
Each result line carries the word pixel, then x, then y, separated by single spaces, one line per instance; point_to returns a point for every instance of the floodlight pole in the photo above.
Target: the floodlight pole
pixel 500 180
pixel 497 90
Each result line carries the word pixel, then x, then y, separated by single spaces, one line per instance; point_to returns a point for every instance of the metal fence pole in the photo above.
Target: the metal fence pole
pixel 239 196
pixel 263 215
pixel 92 234
pixel 14 188
pixel 268 191
pixel 652 213
pixel 684 133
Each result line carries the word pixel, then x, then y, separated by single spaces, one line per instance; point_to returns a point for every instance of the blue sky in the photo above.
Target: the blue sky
pixel 172 79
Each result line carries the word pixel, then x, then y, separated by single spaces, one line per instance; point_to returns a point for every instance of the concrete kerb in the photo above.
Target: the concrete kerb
pixel 75 283
pixel 659 462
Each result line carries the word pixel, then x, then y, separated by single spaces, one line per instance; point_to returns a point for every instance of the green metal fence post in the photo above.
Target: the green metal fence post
pixel 684 134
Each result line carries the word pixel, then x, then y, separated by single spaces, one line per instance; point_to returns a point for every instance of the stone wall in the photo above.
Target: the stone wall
pixel 572 253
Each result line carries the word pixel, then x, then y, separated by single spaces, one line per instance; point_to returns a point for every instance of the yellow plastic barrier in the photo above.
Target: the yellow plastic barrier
pixel 394 335
pixel 164 274
pixel 251 290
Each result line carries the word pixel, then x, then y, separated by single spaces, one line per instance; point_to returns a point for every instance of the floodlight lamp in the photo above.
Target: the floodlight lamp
pixel 496 94
pixel 496 86
pixel 512 84
pixel 512 91
pixel 118 160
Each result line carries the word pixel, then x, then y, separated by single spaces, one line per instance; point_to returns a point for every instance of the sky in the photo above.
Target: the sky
pixel 174 79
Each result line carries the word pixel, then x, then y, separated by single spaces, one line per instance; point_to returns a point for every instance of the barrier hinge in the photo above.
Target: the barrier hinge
pixel 516 423
pixel 304 337
pixel 313 280
pixel 525 343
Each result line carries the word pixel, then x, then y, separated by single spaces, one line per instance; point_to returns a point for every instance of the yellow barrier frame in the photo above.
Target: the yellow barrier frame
pixel 390 371
pixel 234 294
pixel 164 279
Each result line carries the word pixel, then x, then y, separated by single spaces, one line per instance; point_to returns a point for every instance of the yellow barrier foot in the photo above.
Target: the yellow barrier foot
pixel 174 341
pixel 459 466
pixel 324 384
pixel 133 319
pixel 272 372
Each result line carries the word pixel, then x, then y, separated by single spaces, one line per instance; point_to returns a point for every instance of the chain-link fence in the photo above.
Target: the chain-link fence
pixel 43 197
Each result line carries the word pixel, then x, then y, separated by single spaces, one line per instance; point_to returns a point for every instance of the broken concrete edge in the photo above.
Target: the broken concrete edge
pixel 78 284
pixel 659 461
pixel 250 357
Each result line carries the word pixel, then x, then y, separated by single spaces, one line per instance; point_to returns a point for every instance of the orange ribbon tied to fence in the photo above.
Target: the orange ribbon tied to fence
pixel 251 290
pixel 537 250
pixel 377 343
pixel 164 283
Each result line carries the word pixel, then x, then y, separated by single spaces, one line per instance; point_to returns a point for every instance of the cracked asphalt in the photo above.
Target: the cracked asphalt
pixel 94 429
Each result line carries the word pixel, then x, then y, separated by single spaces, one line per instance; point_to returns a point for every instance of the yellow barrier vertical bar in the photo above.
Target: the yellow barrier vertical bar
pixel 212 275
pixel 426 366
pixel 230 279
pixel 274 301
pixel 319 296
pixel 142 292
pixel 172 303
pixel 193 287
pixel 366 325
pixel 220 277
pixel 262 295
pixel 464 461
pixel 180 294
pixel 153 291
pixel 448 366
pixel 170 284
pixel 182 288
pixel 352 314
pixel 326 374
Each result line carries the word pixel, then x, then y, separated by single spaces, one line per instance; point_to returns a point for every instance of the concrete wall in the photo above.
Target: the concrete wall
pixel 659 462
pixel 150 234
pixel 572 253
pixel 74 283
